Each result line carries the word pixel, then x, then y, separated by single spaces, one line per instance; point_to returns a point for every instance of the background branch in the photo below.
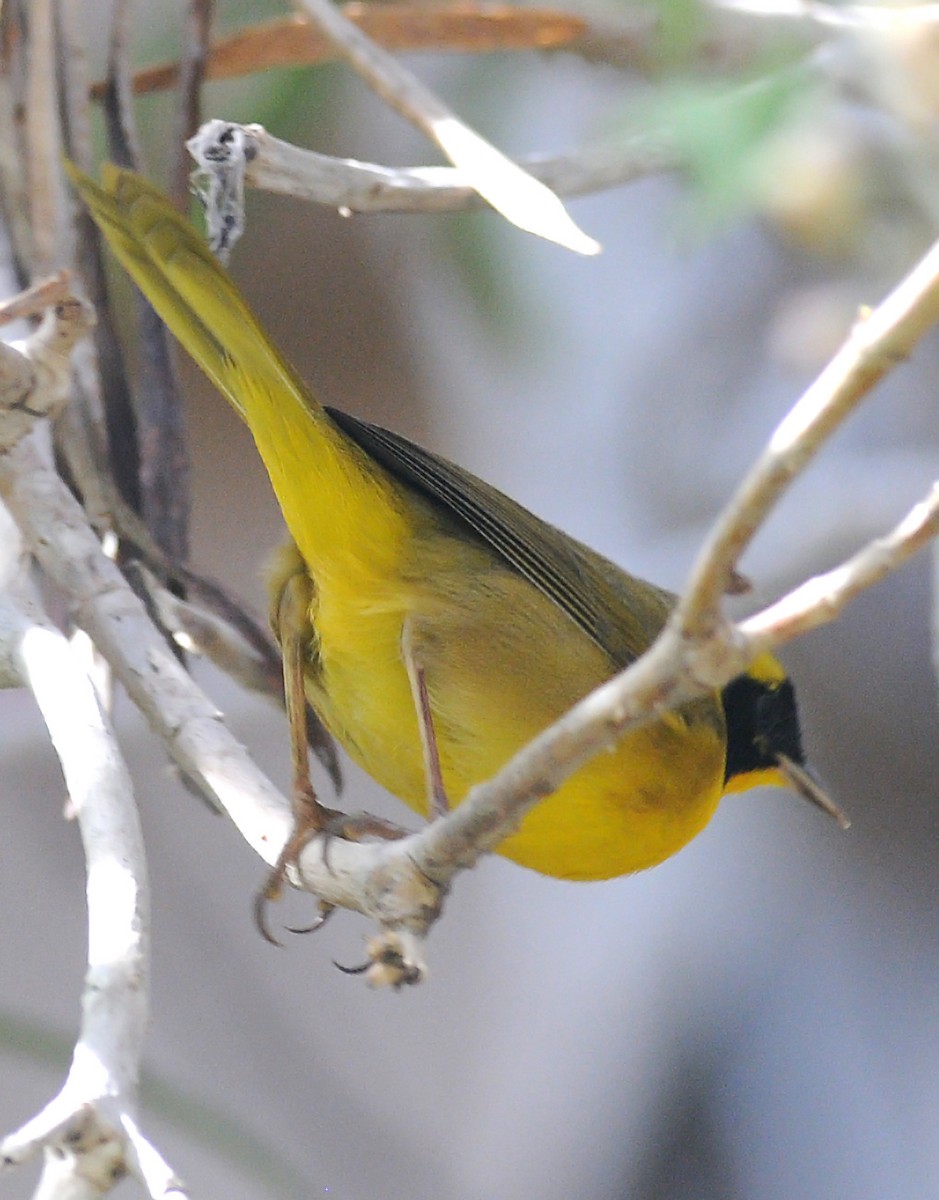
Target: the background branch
pixel 294 41
pixel 198 29
pixel 225 151
pixel 519 197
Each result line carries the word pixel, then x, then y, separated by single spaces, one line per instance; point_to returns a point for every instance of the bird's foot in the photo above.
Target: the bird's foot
pixel 313 819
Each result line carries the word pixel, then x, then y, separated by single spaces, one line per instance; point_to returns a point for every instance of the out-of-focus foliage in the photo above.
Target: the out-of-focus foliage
pixel 723 132
pixel 680 25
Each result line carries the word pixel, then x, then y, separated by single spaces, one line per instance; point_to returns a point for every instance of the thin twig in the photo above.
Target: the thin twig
pixel 225 151
pixel 879 340
pixel 822 599
pixel 517 196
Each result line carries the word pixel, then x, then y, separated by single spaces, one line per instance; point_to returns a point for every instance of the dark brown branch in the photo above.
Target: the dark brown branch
pixel 153 434
pixel 192 70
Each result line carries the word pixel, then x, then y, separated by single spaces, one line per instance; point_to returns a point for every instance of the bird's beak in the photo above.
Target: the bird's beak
pixel 804 781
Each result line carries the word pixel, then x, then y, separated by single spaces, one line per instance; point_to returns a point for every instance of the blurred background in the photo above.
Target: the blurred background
pixel 757 1019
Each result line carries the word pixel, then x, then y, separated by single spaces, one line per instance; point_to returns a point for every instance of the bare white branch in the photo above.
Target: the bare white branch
pixel 516 195
pixel 102 603
pixel 880 339
pixel 230 155
pixel 823 598
pixel 81 1130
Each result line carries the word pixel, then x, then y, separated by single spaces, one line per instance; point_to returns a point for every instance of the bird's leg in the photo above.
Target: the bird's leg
pixel 437 803
pixel 291 620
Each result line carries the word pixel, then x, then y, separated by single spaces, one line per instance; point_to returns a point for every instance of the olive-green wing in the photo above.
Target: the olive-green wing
pixel 618 612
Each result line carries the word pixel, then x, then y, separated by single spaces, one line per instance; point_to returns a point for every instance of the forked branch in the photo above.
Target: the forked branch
pixel 88 1132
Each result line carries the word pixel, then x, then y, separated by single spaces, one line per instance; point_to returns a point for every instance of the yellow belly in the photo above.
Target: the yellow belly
pixel 492 688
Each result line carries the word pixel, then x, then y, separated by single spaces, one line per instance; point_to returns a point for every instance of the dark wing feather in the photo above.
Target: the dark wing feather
pixel 618 612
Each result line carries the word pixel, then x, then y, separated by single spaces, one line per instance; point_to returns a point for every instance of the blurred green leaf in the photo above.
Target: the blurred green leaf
pixel 720 131
pixel 681 23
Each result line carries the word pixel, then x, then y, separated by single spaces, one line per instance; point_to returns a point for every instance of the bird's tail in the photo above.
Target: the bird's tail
pixel 188 287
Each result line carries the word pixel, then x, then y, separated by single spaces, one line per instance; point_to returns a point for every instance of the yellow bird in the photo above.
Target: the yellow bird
pixel 435 625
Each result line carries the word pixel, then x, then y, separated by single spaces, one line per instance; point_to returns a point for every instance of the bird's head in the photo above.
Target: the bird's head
pixel 764 740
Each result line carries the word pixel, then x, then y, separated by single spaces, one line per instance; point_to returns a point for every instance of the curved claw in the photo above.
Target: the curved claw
pixel 352 970
pixel 262 899
pixel 325 912
pixel 336 824
pixel 274 886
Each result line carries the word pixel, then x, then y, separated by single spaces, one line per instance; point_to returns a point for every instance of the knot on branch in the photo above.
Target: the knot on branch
pixel 713 658
pixel 35 372
pixel 401 896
